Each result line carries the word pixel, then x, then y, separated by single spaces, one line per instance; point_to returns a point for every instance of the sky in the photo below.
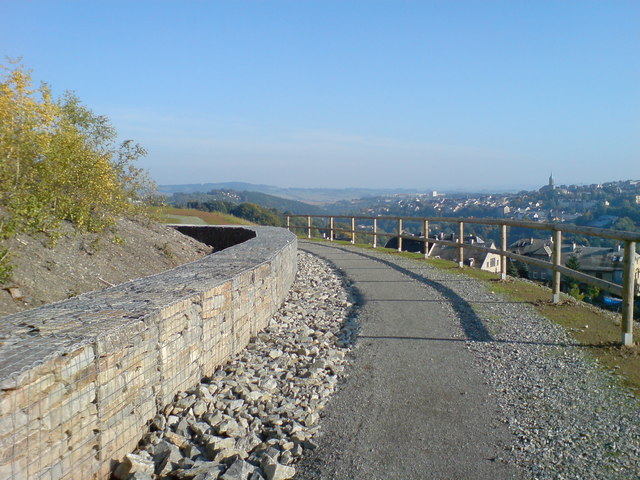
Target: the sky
pixel 472 95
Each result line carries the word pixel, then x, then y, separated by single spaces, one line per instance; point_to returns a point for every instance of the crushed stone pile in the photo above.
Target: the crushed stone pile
pixel 255 417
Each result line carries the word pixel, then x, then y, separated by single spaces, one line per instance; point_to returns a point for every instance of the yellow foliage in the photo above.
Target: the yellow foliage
pixel 58 160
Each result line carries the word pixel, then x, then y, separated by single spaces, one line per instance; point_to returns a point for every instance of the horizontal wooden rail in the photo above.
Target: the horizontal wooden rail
pixel 591 231
pixel 626 290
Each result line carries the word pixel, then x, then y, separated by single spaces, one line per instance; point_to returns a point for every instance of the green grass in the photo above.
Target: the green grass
pixel 596 329
pixel 196 217
pixel 5 266
pixel 183 219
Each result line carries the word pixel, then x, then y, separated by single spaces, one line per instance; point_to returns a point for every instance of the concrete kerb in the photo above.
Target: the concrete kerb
pixel 80 378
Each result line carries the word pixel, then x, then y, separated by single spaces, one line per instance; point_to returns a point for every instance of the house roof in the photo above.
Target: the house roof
pixel 533 247
pixel 594 258
pixel 590 258
pixel 451 253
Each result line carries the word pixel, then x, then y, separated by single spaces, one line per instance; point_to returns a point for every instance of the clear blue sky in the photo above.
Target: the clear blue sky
pixel 417 94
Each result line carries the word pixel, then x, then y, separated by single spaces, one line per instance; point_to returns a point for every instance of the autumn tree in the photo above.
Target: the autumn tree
pixel 60 161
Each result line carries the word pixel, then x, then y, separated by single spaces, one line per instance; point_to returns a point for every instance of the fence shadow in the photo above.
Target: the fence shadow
pixel 472 325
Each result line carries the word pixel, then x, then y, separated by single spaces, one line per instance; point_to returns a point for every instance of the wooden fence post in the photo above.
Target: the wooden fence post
pixel 375 233
pixel 461 242
pixel 628 290
pixel 308 227
pixel 331 229
pixel 353 230
pixel 425 229
pixel 557 261
pixel 503 247
pixel 399 234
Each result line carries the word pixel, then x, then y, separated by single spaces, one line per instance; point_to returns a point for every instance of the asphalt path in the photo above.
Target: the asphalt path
pixel 413 405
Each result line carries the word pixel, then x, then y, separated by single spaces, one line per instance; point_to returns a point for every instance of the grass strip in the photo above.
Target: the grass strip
pixel 187 215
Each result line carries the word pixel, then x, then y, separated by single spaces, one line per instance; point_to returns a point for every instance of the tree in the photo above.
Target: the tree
pixel 626 224
pixel 523 269
pixel 59 161
pixel 592 293
pixel 255 213
pixel 573 262
pixel 573 285
pixel 512 271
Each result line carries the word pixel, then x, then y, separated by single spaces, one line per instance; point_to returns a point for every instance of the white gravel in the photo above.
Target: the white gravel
pixel 255 416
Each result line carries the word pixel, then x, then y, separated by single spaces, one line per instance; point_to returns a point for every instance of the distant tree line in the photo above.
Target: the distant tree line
pixel 235 197
pixel 248 211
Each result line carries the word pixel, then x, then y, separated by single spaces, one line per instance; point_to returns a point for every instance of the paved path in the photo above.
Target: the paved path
pixel 413 406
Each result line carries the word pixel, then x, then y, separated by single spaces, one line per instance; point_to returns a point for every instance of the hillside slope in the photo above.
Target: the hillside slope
pixel 308 195
pixel 235 197
pixel 82 262
pixel 196 217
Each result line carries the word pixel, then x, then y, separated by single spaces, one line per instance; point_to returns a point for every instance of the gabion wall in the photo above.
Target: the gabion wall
pixel 80 379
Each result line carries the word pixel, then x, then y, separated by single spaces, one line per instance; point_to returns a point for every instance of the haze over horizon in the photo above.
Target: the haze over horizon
pixel 239 185
pixel 457 95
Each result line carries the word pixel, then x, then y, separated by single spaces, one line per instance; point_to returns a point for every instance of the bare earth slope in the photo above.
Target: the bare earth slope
pixel 82 262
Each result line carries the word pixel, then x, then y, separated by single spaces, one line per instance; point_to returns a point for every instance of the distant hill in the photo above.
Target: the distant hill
pixel 265 200
pixel 206 187
pixel 308 195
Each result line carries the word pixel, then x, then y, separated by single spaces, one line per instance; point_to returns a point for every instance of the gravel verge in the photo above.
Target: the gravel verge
pixel 570 417
pixel 255 416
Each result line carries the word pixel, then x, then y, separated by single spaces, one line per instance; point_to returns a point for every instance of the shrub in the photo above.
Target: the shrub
pixel 5 266
pixel 574 291
pixel 256 214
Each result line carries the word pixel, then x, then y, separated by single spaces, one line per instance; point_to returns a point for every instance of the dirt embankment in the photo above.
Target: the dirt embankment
pixel 82 262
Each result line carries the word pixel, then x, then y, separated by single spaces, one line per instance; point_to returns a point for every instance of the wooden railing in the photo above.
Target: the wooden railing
pixel 626 290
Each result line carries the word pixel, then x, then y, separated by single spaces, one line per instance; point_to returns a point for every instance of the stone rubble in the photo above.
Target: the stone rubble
pixel 255 416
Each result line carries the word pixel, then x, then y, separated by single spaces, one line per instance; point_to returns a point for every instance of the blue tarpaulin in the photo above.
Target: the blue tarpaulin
pixel 613 302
